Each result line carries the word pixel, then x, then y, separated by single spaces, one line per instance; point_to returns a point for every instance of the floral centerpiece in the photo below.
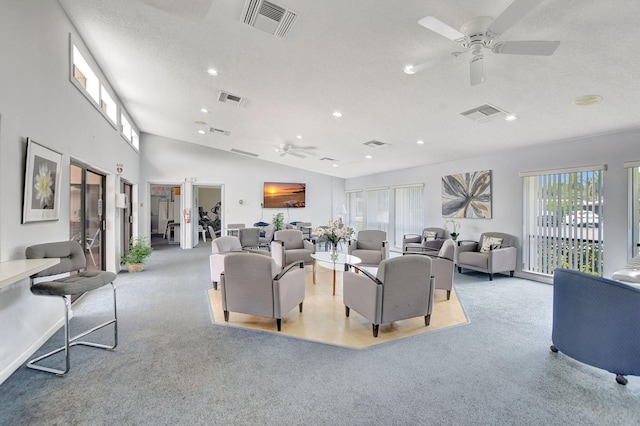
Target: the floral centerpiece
pixel 455 225
pixel 334 233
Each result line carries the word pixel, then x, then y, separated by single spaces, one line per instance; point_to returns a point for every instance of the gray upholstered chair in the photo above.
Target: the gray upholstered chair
pixel 431 239
pixel 249 237
pixel 289 246
pixel 72 260
pixel 371 246
pixel 442 266
pixel 253 284
pixel 402 288
pixel 220 247
pixel 495 252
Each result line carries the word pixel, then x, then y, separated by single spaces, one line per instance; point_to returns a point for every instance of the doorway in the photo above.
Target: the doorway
pixel 127 217
pixel 86 199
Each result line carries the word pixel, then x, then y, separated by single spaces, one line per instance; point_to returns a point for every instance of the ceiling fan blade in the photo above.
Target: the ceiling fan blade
pixel 476 68
pixel 441 28
pixel 531 47
pixel 512 14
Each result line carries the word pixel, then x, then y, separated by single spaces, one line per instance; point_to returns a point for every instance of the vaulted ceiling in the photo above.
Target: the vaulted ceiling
pixel 349 56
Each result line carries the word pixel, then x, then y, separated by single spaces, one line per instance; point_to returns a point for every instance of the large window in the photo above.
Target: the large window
pixel 376 209
pixel 355 210
pixel 634 207
pixel 409 212
pixel 563 216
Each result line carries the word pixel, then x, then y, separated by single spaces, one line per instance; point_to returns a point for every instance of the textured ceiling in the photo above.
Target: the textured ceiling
pixel 349 56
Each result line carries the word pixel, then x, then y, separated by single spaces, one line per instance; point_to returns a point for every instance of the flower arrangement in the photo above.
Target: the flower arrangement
pixel 455 224
pixel 334 232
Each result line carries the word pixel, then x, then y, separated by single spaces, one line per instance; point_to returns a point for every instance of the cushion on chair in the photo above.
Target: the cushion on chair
pixel 74 284
pixel 429 236
pixel 226 244
pixel 490 243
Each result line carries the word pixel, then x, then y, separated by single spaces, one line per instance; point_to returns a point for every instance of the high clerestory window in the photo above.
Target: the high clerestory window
pixel 563 217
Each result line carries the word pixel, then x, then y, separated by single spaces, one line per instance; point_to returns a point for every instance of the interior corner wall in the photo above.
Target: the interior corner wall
pixel 612 149
pixel 242 178
pixel 38 101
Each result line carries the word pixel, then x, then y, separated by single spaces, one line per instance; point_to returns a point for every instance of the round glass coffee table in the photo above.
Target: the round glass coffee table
pixel 325 260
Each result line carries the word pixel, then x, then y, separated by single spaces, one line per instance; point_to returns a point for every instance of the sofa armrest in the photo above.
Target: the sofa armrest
pixel 467 245
pixel 502 259
pixel 277 252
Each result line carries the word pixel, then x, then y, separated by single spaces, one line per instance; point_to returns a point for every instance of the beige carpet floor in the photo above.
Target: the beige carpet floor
pixel 323 317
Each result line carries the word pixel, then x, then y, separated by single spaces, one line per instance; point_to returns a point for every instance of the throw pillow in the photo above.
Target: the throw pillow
pixel 429 236
pixel 488 244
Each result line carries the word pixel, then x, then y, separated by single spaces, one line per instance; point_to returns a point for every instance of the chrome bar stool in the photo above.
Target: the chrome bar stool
pixel 72 259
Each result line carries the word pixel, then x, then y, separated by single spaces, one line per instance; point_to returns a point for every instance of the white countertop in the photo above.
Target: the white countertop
pixel 16 270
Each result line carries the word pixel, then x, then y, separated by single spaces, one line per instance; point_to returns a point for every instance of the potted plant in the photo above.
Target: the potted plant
pixel 278 221
pixel 139 250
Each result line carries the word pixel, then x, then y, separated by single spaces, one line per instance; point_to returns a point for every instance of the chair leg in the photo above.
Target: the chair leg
pixel 301 306
pixel 511 273
pixel 69 342
pixel 346 310
pixel 448 294
pixel 226 316
pixel 376 327
pixel 215 285
pixel 459 270
pixel 427 320
pixel 490 277
pixel 279 323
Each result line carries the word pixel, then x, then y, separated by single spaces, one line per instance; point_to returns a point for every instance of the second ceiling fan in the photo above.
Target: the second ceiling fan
pixel 480 34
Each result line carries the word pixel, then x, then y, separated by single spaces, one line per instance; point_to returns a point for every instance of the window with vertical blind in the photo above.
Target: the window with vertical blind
pixel 376 202
pixel 634 207
pixel 408 212
pixel 355 210
pixel 563 216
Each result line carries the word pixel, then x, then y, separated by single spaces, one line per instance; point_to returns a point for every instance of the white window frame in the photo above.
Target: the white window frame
pixel 408 201
pixel 355 209
pixel 376 207
pixel 633 168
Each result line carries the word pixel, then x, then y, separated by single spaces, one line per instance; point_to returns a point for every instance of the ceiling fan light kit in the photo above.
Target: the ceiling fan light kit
pixel 480 33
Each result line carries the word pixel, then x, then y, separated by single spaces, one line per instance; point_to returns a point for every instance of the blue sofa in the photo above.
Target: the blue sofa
pixel 595 321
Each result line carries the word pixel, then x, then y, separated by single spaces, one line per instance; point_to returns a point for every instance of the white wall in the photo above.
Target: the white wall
pixel 610 149
pixel 37 100
pixel 241 178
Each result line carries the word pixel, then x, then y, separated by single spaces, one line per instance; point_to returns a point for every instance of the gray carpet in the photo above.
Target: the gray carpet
pixel 173 366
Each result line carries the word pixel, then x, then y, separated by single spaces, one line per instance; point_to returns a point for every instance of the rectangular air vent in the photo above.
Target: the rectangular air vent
pixel 484 113
pixel 328 159
pixel 219 131
pixel 375 144
pixel 268 17
pixel 237 151
pixel 230 99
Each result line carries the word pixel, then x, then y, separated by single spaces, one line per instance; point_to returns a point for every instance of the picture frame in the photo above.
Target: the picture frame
pixel 41 183
pixel 467 195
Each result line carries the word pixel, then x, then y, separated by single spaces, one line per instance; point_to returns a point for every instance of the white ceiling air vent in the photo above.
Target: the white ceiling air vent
pixel 268 17
pixel 375 144
pixel 328 159
pixel 484 113
pixel 219 131
pixel 237 151
pixel 230 99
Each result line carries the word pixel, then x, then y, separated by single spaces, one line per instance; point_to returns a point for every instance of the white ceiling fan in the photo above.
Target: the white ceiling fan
pixel 296 151
pixel 480 34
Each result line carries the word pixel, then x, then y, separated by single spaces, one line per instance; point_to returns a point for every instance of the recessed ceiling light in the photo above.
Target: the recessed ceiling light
pixel 586 100
pixel 511 117
pixel 201 132
pixel 337 114
pixel 212 71
pixel 368 157
pixel 420 142
pixel 409 69
pixel 204 110
pixel 335 165
pixel 299 137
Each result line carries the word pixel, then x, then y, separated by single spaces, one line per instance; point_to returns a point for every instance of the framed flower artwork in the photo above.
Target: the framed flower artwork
pixel 467 195
pixel 41 183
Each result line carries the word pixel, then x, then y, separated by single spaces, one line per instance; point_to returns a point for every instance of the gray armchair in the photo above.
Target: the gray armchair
pixel 402 288
pixel 371 246
pixel 265 241
pixel 430 240
pixel 442 266
pixel 253 284
pixel 220 247
pixel 249 237
pixel 289 246
pixel 495 252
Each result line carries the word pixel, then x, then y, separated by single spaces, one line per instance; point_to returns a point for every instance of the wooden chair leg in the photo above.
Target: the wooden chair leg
pixel 375 329
pixel 346 310
pixel 448 294
pixel 427 319
pixel 279 323
pixel 301 306
pixel 226 316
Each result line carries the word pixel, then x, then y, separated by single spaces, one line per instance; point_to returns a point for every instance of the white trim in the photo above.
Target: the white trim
pixel 631 164
pixel 409 185
pixel 578 169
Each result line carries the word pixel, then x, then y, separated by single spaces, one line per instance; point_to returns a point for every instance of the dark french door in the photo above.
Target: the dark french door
pixel 87 194
pixel 127 217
